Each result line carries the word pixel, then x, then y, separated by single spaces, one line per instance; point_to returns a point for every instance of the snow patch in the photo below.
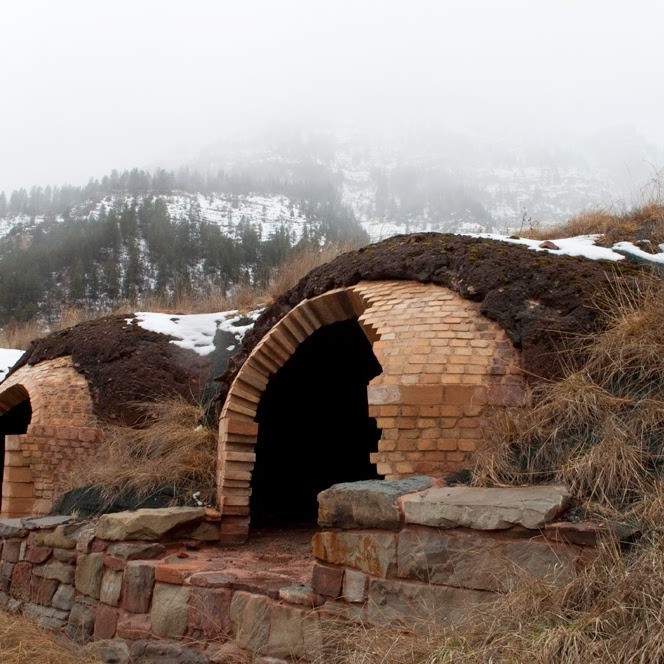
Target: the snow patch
pixel 581 245
pixel 196 331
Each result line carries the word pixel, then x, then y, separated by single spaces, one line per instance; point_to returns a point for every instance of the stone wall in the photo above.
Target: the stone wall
pixel 152 585
pixel 444 366
pixel 62 432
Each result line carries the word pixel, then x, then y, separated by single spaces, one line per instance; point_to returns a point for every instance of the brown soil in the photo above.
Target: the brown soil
pixel 539 299
pixel 123 364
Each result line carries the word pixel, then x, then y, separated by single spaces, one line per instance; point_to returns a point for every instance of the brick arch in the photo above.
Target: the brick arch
pixel 62 432
pixel 444 365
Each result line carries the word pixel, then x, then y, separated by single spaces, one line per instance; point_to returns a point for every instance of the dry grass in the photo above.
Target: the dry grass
pixel 641 224
pixel 300 263
pixel 170 449
pixel 600 429
pixel 24 642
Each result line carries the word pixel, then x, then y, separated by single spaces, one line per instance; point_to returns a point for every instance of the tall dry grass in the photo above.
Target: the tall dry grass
pixel 24 642
pixel 600 429
pixel 300 263
pixel 643 224
pixel 169 449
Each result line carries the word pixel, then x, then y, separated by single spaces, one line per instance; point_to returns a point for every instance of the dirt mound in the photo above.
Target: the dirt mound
pixel 538 298
pixel 123 364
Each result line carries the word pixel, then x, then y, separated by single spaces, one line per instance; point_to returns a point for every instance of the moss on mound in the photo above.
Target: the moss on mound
pixel 538 298
pixel 123 364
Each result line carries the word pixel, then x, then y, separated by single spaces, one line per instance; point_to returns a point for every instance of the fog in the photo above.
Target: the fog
pixel 89 86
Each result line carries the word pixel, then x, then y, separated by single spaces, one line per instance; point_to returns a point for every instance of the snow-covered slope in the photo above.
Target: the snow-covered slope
pixel 196 331
pixel 8 358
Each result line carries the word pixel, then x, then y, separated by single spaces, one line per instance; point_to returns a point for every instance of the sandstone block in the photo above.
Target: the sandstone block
pixel 486 508
pixel 12 528
pixel 481 562
pixel 137 586
pixel 81 620
pixel 209 613
pixel 300 594
pixel 170 610
pixel 45 616
pixel 89 571
pixel 42 590
pixel 106 622
pixel 64 597
pixel 372 552
pixel 355 586
pixel 327 581
pixel 157 652
pixel 56 570
pixel 368 504
pixel 111 587
pixel 146 524
pixel 396 602
pixel 250 621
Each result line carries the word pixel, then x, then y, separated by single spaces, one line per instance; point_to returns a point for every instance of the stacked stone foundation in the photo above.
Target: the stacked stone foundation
pixel 389 554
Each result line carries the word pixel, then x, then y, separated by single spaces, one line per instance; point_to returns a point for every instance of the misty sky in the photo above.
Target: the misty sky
pixel 88 86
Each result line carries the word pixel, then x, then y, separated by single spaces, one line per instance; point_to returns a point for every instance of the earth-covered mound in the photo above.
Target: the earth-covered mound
pixel 538 298
pixel 124 364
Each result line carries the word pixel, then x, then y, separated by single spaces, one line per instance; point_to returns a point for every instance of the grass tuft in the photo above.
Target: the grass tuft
pixel 170 448
pixel 24 642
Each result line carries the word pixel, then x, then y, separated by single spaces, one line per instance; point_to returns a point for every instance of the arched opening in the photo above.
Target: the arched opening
pixel 314 428
pixel 13 421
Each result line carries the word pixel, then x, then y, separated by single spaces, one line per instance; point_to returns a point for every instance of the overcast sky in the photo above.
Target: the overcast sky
pixel 88 86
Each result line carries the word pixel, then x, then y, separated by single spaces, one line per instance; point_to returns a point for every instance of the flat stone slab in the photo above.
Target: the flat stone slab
pixel 145 524
pixel 367 504
pixel 486 508
pixel 47 522
pixel 12 528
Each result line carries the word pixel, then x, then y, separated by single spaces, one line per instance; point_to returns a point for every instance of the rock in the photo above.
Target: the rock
pixel 250 620
pixel 486 508
pixel 547 244
pixel 372 552
pixel 136 551
pixel 12 528
pixel 46 522
pixel 89 570
pixel 60 539
pixel 294 633
pixel 202 532
pixel 355 586
pixel 85 538
pixel 368 504
pixel 170 609
pixel 133 626
pixel 327 581
pixel 137 586
pixel 106 622
pixel 64 597
pixel 300 594
pixel 480 562
pixel 157 652
pixel 395 602
pixel 11 550
pixel 81 620
pixel 209 613
pixel 38 554
pixel 46 616
pixel 42 590
pixel 111 586
pixel 145 524
pixel 55 570
pixel 109 651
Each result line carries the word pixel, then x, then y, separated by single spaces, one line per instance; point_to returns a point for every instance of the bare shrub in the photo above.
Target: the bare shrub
pixel 170 449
